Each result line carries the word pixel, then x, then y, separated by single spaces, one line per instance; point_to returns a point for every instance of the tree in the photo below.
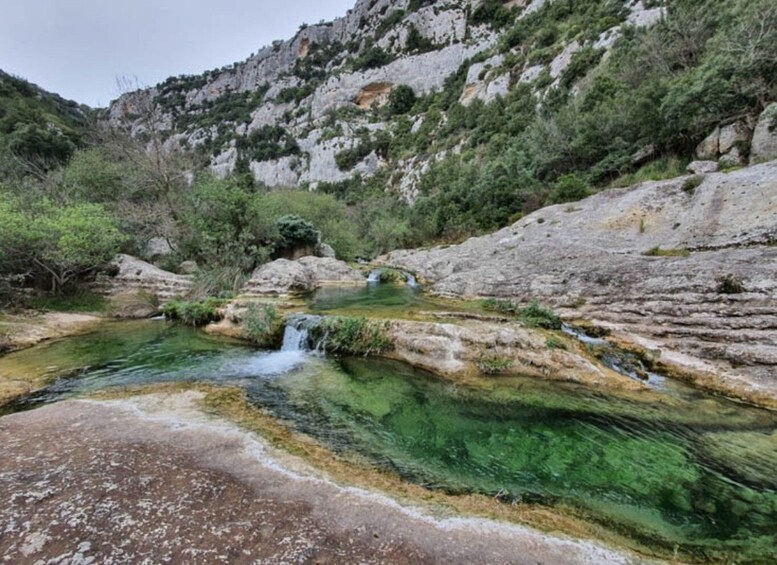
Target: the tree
pixel 401 100
pixel 296 232
pixel 56 243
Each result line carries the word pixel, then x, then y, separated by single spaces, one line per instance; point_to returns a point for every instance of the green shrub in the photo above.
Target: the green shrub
pixel 658 252
pixel 401 100
pixel 534 315
pixel 74 301
pixel 493 364
pixel 730 284
pixel 195 313
pixel 692 183
pixel 263 325
pixel 555 343
pixel 354 336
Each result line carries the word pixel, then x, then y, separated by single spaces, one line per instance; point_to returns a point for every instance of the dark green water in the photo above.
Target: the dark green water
pixel 684 470
pixel 373 299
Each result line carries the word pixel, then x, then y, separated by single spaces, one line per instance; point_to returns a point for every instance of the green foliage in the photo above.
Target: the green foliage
pixel 658 252
pixel 73 301
pixel 195 313
pixel 55 244
pixel 582 61
pixel 354 336
pixel 554 342
pixel 534 315
pixel 267 143
pixel 40 128
pixel 692 183
pixel 491 364
pixel 371 58
pixel 492 13
pixel 660 169
pixel 417 43
pixel 296 232
pixel 401 100
pixel 262 324
pixel 730 284
pixel 569 188
pixel 217 281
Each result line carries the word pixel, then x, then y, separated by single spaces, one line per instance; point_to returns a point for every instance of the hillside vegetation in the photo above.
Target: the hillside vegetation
pixel 401 125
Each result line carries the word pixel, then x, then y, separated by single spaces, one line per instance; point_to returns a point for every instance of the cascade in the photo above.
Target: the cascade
pixel 374 276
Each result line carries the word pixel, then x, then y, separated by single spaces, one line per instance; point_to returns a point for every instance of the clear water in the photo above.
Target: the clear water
pixel 375 299
pixel 687 471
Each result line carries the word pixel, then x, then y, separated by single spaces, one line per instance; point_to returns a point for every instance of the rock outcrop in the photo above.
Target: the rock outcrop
pixel 284 277
pixel 472 346
pixel 135 275
pixel 687 266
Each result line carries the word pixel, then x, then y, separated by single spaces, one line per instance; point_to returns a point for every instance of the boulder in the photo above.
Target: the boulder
pixel 284 277
pixel 133 305
pixel 734 158
pixel 736 135
pixel 326 250
pixel 132 274
pixel 703 167
pixel 158 247
pixel 709 148
pixel 764 143
pixel 188 267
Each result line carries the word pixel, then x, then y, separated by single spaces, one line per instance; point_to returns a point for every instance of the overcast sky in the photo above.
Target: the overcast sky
pixel 77 48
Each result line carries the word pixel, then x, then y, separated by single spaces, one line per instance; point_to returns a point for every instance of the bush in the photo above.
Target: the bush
pixel 401 100
pixel 658 252
pixel 692 183
pixel 534 315
pixel 569 188
pixel 263 325
pixel 493 364
pixel 55 244
pixel 296 232
pixel 197 313
pixel 354 336
pixel 730 284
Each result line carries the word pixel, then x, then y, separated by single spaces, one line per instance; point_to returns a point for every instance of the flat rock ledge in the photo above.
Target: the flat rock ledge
pixel 152 479
pixel 467 348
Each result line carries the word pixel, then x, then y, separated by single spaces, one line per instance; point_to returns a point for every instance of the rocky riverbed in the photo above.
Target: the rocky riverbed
pixel 154 478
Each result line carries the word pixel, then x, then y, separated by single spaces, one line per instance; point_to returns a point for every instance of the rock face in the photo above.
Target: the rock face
pixel 709 299
pixel 283 277
pixel 135 275
pixel 320 86
pixel 464 348
pixel 764 144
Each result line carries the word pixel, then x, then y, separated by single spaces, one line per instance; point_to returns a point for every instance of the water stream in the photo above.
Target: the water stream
pixel 686 470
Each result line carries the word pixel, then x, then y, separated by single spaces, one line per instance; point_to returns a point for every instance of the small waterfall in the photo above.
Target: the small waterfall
pixel 295 339
pixel 411 281
pixel 296 336
pixel 374 276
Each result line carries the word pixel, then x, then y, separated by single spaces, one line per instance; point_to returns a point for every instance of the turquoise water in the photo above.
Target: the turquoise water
pixel 384 298
pixel 687 471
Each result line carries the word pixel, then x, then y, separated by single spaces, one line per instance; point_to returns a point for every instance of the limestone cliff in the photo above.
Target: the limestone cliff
pixel 316 95
pixel 687 267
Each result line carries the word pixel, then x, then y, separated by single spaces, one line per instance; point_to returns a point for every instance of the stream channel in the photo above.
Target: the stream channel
pixel 674 468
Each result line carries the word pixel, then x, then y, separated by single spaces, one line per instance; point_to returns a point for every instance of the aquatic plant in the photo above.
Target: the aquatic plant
pixel 533 315
pixel 355 336
pixel 492 364
pixel 262 324
pixel 195 313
